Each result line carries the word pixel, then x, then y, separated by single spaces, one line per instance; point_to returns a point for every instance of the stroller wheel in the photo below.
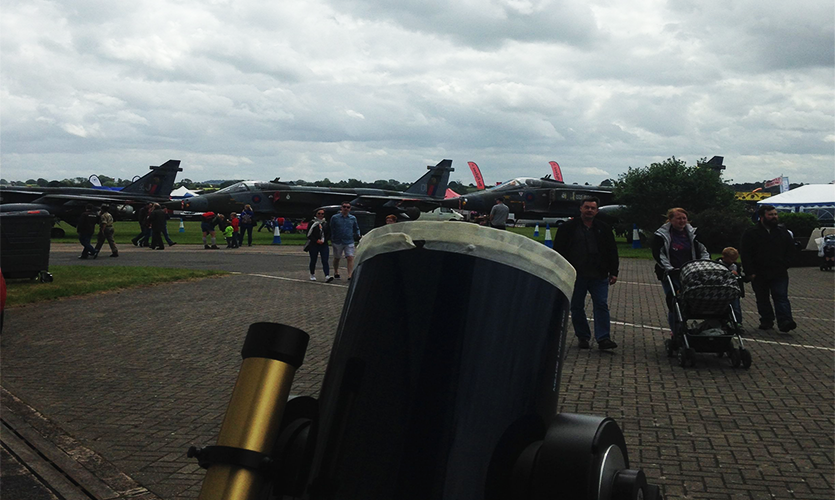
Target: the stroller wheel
pixel 745 354
pixel 668 346
pixel 686 357
pixel 682 358
pixel 735 358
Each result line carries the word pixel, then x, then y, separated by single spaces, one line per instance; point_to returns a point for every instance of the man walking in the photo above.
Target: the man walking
pixel 106 231
pixel 498 215
pixel 86 227
pixel 589 245
pixel 158 219
pixel 766 252
pixel 344 229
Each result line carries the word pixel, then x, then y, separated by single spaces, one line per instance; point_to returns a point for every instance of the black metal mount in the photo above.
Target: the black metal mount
pixel 227 455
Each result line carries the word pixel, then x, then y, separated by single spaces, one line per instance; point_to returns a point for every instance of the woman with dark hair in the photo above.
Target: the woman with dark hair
pixel 247 223
pixel 674 245
pixel 318 235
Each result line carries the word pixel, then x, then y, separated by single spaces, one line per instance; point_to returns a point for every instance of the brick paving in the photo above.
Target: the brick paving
pixel 139 375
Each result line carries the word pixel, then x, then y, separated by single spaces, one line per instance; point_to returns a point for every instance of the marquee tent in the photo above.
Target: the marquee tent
pixel 182 192
pixel 817 199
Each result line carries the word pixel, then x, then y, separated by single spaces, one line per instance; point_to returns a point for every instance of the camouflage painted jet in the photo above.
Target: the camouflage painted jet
pixel 285 199
pixel 531 198
pixel 67 203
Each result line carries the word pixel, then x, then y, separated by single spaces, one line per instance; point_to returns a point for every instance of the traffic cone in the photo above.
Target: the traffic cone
pixel 277 235
pixel 536 231
pixel 636 237
pixel 182 226
pixel 548 241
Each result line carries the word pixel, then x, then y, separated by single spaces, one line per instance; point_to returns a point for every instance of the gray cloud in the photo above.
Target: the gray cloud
pixel 378 90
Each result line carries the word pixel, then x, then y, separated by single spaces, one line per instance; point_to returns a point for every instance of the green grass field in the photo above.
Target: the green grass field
pixel 193 236
pixel 625 250
pixel 80 280
pixel 83 280
pixel 125 230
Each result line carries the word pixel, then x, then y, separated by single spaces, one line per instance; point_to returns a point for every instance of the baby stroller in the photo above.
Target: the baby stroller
pixel 827 252
pixel 705 321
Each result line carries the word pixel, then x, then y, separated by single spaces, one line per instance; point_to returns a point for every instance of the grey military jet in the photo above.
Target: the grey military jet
pixel 531 198
pixel 285 199
pixel 67 203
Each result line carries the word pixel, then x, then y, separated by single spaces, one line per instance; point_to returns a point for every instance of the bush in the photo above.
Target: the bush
pixel 800 224
pixel 650 191
pixel 721 227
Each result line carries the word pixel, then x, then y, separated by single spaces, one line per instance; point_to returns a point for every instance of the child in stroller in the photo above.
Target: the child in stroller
pixel 827 252
pixel 705 319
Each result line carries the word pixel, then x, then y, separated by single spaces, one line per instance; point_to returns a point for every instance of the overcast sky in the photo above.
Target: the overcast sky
pixel 374 89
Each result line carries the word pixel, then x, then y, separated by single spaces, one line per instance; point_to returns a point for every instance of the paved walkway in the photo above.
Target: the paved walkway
pixel 124 382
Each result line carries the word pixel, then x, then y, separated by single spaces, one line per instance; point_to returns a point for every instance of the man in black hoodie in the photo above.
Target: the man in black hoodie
pixel 86 227
pixel 767 249
pixel 589 245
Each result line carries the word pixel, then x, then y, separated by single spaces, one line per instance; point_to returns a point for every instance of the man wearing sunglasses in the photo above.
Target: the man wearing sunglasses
pixel 344 230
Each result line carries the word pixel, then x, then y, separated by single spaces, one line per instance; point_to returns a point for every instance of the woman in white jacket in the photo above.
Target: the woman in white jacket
pixel 674 245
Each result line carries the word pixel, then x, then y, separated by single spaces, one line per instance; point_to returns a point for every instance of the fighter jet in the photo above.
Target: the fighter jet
pixel 67 203
pixel 531 198
pixel 285 199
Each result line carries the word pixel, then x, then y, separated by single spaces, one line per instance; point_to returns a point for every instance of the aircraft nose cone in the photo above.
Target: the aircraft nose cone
pixel 195 204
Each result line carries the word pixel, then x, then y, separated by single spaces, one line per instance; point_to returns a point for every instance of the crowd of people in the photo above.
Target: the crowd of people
pixel 585 241
pixel 589 245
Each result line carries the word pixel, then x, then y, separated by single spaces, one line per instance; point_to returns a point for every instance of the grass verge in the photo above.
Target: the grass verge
pixel 82 280
pixel 625 250
pixel 191 235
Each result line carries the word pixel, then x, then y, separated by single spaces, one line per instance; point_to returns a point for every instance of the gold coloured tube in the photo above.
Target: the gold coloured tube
pixel 252 420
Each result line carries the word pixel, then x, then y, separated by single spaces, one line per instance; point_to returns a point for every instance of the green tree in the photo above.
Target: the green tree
pixel 649 192
pixel 799 223
pixel 42 182
pixel 720 228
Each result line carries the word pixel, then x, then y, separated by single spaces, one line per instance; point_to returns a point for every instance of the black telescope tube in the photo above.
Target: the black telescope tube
pixel 275 341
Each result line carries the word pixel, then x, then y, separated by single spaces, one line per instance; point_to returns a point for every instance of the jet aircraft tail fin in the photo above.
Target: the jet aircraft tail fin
pixel 434 182
pixel 158 182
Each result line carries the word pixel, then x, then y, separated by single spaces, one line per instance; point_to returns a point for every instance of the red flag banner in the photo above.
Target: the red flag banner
pixel 555 167
pixel 774 182
pixel 479 180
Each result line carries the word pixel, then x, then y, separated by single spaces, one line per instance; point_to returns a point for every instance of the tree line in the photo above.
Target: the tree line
pixel 649 192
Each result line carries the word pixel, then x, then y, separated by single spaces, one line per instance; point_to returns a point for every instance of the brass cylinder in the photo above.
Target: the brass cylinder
pixel 253 417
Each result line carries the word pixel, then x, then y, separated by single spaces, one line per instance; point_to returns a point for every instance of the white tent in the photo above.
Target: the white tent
pixel 182 192
pixel 817 199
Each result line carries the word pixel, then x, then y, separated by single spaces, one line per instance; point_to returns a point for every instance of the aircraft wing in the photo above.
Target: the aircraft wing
pixel 104 198
pixel 385 198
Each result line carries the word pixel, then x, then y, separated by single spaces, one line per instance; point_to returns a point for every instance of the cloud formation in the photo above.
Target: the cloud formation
pixel 375 90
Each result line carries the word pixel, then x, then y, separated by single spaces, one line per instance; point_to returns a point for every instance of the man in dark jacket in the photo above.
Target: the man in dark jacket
pixel 86 227
pixel 158 218
pixel 144 235
pixel 767 249
pixel 589 245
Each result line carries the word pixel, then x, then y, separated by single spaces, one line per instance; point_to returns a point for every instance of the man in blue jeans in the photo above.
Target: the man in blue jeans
pixel 589 245
pixel 344 231
pixel 767 250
